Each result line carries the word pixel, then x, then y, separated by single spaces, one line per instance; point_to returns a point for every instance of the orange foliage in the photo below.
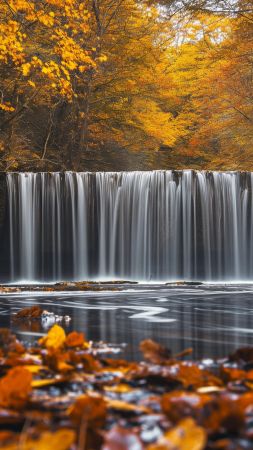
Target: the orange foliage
pixel 64 25
pixel 110 404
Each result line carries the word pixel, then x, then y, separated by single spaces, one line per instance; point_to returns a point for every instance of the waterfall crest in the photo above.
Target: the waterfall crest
pixel 161 225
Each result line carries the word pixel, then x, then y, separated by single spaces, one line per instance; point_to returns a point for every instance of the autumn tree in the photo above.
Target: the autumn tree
pixel 223 101
pixel 84 75
pixel 43 55
pixel 82 78
pixel 129 94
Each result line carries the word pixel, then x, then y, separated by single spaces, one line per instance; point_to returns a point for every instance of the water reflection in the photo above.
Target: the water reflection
pixel 214 320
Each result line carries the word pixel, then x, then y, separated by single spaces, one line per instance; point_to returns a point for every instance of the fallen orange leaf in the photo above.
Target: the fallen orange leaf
pixel 90 408
pixel 75 339
pixel 15 388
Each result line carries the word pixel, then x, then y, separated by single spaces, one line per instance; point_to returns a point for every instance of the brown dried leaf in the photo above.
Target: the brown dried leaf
pixel 90 364
pixel 212 412
pixel 191 375
pixel 244 354
pixel 179 404
pixel 34 312
pixel 6 437
pixel 232 374
pixel 75 339
pixel 9 343
pixel 154 352
pixel 58 360
pixel 177 374
pixel 224 412
pixel 91 409
pixel 245 401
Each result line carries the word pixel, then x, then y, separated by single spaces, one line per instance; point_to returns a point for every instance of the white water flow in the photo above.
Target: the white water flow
pixel 161 225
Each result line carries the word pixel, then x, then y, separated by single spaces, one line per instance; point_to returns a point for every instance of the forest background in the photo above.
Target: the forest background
pixel 126 84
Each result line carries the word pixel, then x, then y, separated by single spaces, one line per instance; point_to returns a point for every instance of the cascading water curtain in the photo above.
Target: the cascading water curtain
pixel 161 225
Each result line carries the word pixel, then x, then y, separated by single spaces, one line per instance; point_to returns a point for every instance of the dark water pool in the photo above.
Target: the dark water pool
pixel 212 319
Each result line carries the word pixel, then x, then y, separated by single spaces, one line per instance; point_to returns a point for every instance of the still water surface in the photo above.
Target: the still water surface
pixel 212 319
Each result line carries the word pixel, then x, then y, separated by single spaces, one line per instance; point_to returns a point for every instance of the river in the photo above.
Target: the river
pixel 213 319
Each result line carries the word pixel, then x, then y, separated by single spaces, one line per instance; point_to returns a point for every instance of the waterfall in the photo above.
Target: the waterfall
pixel 161 225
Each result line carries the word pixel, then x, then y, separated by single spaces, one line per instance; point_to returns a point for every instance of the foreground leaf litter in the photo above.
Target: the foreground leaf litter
pixel 66 393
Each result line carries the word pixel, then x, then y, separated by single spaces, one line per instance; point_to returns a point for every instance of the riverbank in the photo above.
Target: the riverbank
pixel 86 286
pixel 67 393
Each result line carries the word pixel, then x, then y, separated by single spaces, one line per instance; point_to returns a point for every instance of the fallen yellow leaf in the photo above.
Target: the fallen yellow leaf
pixel 55 338
pixel 47 382
pixel 187 435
